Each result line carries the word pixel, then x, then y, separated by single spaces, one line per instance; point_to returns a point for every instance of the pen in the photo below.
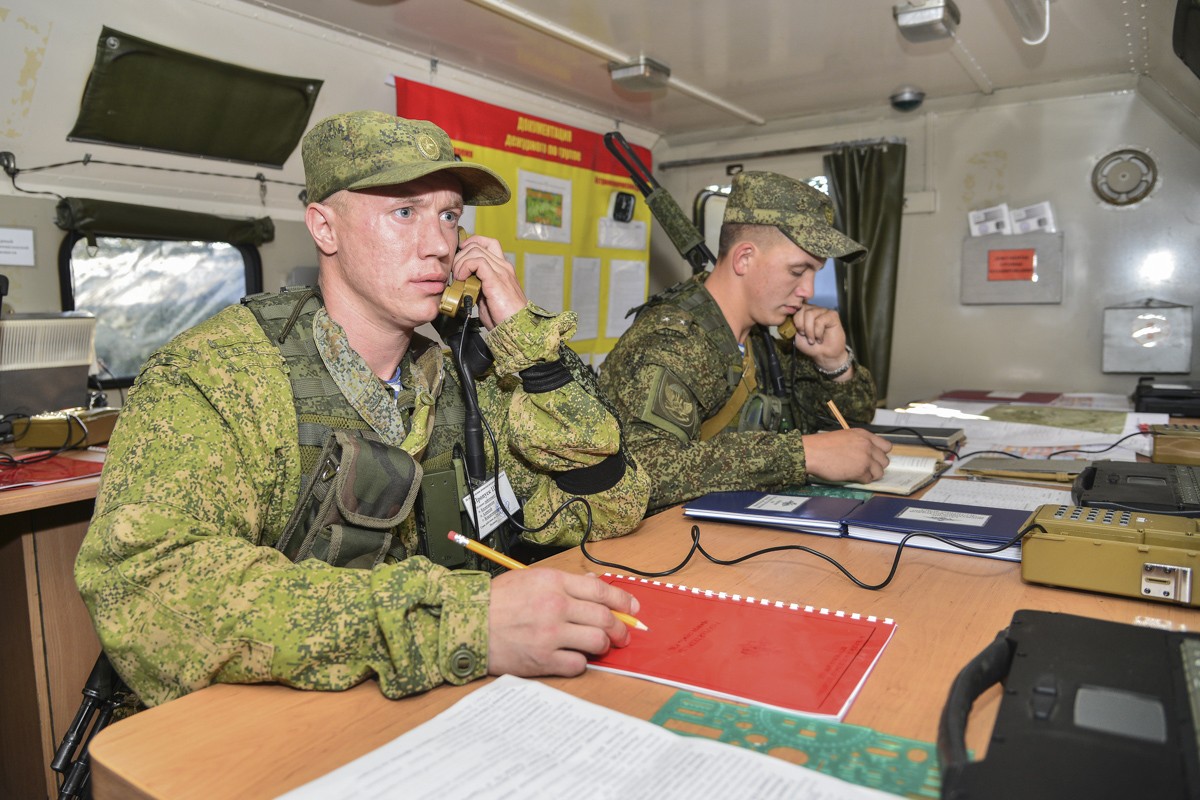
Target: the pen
pixel 504 561
pixel 833 407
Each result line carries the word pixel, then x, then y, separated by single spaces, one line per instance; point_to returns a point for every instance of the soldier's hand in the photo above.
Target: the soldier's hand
pixel 547 622
pixel 820 336
pixel 853 455
pixel 501 295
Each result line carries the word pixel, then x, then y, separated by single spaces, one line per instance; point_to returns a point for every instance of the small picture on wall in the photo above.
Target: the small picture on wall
pixel 543 208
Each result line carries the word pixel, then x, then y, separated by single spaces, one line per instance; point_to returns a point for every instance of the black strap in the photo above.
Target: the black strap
pixel 594 479
pixel 545 377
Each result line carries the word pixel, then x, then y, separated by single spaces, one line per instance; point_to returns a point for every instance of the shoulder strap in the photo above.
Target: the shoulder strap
pixel 748 385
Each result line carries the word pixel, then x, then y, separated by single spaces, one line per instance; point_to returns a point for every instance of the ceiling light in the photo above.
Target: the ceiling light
pixel 907 98
pixel 642 75
pixel 1033 19
pixel 926 20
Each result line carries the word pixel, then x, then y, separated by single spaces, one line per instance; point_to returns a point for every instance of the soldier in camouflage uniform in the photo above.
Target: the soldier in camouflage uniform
pixel 690 376
pixel 180 568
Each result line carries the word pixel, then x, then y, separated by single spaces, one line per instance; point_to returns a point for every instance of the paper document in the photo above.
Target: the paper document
pixel 995 448
pixel 522 739
pixel 1018 433
pixel 996 495
pixel 585 296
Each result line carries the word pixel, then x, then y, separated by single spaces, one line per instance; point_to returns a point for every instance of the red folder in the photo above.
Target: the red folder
pixel 771 653
pixel 52 470
pixel 985 396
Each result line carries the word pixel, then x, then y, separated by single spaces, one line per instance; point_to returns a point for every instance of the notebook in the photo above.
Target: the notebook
pixel 822 515
pixel 770 653
pixel 890 519
pixel 903 475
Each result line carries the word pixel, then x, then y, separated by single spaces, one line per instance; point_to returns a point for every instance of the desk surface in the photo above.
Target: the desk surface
pixel 259 741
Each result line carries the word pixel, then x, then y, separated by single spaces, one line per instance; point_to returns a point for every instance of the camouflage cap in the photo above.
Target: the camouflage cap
pixel 363 149
pixel 802 213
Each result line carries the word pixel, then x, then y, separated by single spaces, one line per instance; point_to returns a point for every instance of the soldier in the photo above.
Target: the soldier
pixel 691 376
pixel 217 552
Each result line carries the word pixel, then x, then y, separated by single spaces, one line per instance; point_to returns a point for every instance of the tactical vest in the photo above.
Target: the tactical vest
pixel 760 410
pixel 331 429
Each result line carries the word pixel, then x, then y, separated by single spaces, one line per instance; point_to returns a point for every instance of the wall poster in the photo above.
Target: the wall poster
pixel 562 180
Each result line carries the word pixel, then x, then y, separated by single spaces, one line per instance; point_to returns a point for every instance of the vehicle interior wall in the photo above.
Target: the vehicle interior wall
pixel 1020 147
pixel 51 45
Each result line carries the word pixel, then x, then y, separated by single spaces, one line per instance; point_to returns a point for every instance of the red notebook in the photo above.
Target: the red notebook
pixel 52 470
pixel 779 655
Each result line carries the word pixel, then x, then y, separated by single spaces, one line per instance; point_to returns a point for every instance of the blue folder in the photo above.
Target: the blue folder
pixel 890 519
pixel 810 514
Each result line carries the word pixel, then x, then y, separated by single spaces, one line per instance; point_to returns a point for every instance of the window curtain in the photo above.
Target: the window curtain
pixel 101 217
pixel 867 187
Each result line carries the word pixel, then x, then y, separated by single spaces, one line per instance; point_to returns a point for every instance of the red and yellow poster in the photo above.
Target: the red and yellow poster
pixel 570 249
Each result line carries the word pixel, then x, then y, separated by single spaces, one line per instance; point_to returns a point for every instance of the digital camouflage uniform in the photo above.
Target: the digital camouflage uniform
pixel 679 364
pixel 178 568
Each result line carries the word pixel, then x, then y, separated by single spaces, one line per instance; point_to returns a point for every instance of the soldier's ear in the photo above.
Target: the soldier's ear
pixel 744 254
pixel 318 218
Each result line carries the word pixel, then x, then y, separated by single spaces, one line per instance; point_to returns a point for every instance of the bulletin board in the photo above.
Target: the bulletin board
pixel 567 249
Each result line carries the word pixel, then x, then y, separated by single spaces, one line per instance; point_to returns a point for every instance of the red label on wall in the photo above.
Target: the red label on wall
pixel 1012 265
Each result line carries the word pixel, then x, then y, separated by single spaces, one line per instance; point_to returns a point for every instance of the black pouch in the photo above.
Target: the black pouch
pixel 358 492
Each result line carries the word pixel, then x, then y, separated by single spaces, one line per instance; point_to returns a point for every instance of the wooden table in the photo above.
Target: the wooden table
pixel 259 741
pixel 49 645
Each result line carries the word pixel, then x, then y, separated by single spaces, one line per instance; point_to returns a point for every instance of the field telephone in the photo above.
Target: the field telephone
pixel 1137 486
pixel 1152 556
pixel 1176 444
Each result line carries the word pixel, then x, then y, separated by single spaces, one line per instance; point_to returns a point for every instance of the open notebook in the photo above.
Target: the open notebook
pixel 774 654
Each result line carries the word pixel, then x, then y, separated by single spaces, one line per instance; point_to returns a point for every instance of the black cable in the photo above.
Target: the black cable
pixel 9 164
pixel 11 461
pixel 696 546
pixel 1059 452
pixel 466 303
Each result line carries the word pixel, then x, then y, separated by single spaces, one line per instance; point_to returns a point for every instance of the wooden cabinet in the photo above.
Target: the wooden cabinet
pixel 47 643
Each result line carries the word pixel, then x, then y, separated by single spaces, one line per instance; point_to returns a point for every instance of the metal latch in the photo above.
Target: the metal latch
pixel 1166 582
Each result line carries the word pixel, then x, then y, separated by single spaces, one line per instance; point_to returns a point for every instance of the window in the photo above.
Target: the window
pixel 709 209
pixel 145 291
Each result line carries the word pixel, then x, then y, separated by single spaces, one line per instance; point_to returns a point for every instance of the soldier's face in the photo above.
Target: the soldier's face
pixel 783 276
pixel 395 247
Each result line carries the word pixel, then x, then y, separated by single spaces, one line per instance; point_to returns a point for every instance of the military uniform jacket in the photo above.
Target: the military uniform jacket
pixel 678 365
pixel 178 568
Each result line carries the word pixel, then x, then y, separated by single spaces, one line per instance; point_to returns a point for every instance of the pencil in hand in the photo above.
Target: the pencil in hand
pixel 833 407
pixel 504 561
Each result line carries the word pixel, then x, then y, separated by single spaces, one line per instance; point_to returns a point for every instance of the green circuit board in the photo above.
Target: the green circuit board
pixel 825 491
pixel 863 756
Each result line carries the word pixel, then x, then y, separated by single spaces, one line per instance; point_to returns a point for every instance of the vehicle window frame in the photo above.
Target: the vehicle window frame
pixel 251 261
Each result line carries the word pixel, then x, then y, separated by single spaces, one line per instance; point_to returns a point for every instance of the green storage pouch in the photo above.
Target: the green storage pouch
pixel 358 492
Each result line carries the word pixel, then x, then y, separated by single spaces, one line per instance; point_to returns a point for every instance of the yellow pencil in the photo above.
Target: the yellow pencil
pixel 504 561
pixel 833 407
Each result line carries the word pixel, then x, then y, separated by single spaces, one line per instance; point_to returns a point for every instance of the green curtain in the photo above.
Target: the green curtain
pixel 101 218
pixel 144 95
pixel 867 187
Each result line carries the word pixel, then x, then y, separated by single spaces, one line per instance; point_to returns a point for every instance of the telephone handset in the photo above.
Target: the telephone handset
pixel 452 297
pixel 788 329
pixel 471 357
